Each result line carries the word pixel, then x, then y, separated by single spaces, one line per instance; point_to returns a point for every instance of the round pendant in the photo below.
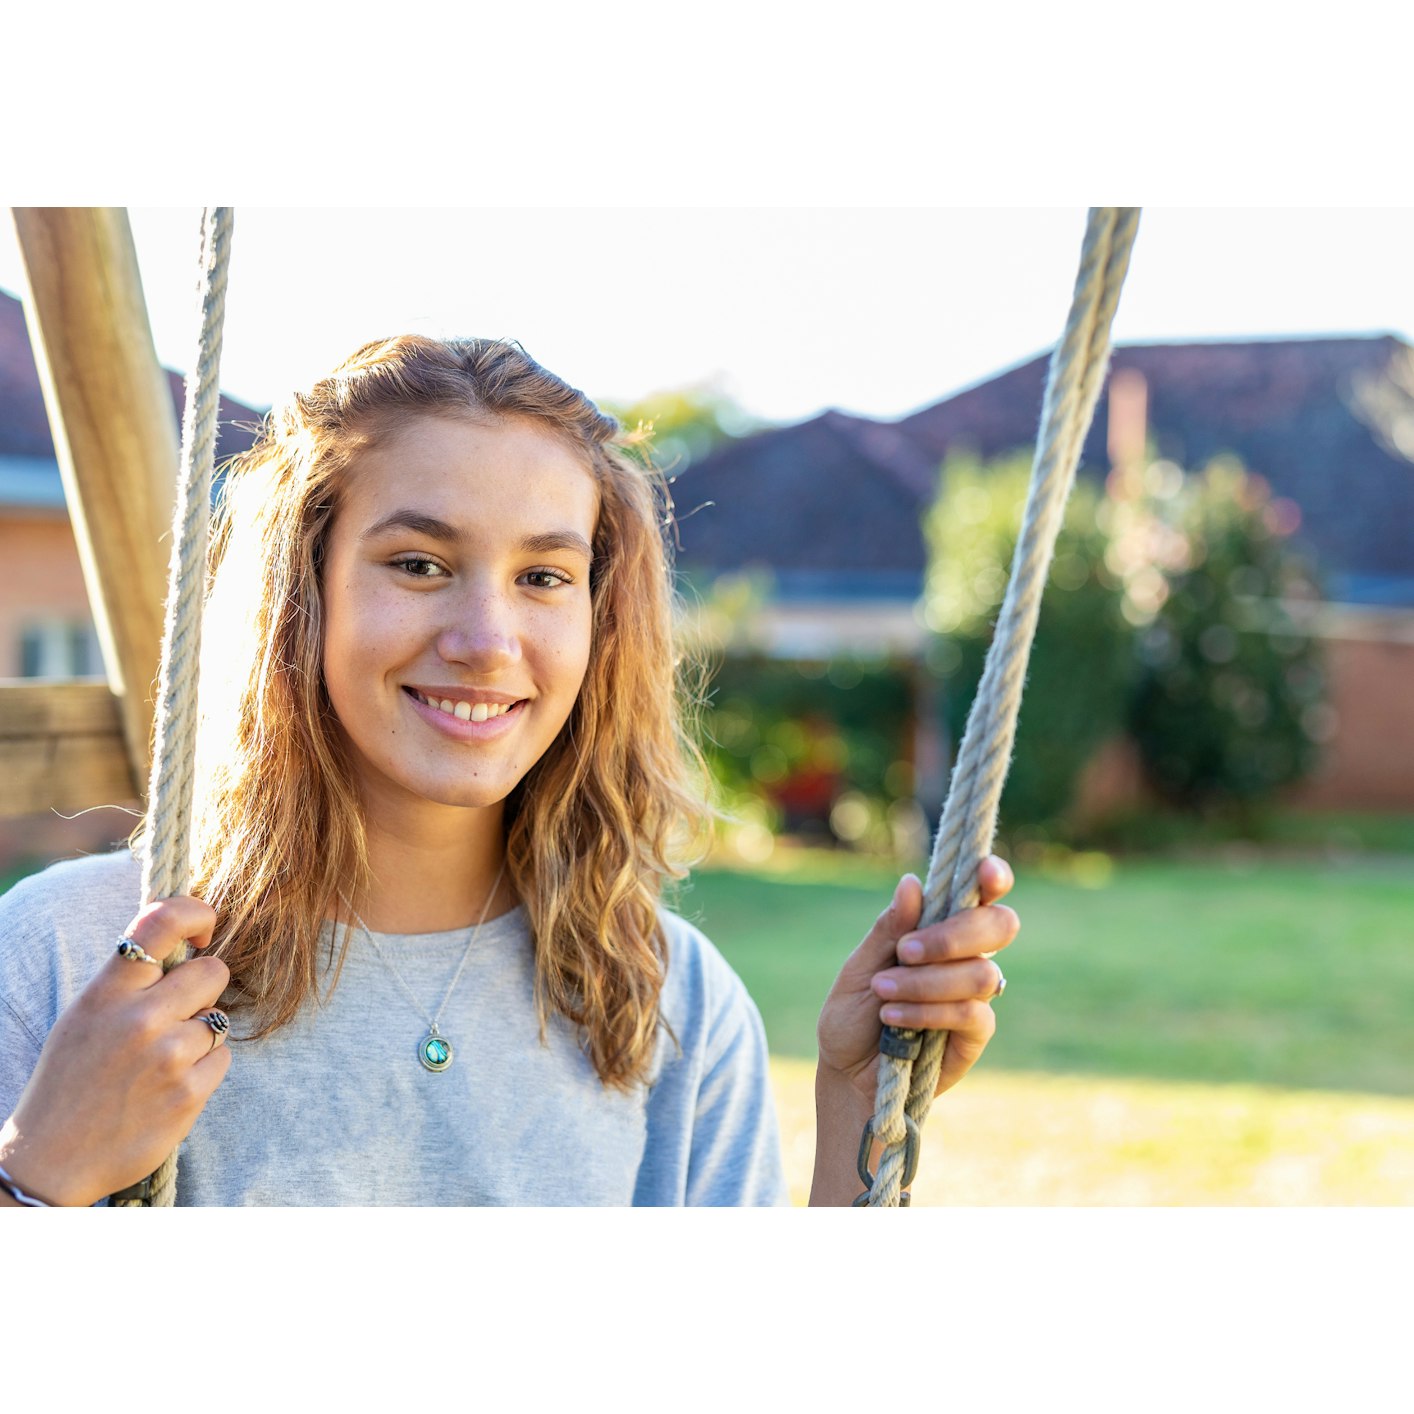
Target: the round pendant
pixel 434 1051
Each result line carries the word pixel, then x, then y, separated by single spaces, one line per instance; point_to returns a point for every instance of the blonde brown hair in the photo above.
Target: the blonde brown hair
pixel 597 823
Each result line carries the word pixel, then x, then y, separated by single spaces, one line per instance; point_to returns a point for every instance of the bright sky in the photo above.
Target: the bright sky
pixel 790 311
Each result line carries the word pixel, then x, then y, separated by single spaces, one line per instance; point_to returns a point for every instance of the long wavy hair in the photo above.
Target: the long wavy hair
pixel 612 809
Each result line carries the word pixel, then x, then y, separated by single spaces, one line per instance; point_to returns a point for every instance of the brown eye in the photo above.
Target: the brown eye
pixel 419 567
pixel 546 579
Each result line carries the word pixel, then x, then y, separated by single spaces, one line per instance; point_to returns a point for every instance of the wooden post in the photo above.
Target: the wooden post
pixel 61 748
pixel 115 435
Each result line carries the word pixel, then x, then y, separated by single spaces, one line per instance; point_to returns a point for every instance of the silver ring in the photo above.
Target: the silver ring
pixel 1001 984
pixel 219 1023
pixel 128 948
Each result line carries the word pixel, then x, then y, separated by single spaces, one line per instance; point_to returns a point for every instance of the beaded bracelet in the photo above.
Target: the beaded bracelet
pixel 27 1200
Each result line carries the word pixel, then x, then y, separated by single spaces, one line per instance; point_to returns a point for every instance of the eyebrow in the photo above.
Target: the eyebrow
pixel 420 523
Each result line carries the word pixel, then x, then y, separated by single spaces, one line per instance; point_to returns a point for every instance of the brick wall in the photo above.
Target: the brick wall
pixel 40 578
pixel 1369 762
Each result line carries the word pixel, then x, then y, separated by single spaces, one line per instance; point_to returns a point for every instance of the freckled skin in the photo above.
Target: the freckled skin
pixel 406 607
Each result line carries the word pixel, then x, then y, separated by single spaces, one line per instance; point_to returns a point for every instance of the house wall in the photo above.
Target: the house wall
pixel 40 578
pixel 1369 762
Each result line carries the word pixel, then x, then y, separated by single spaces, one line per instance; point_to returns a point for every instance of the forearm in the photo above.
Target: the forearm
pixel 841 1113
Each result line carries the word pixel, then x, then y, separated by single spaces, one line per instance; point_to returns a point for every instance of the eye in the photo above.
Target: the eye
pixel 419 567
pixel 546 578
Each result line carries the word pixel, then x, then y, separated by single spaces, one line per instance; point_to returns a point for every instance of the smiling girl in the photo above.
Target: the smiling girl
pixel 441 779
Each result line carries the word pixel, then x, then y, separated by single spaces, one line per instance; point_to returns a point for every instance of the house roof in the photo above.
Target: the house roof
pixel 26 444
pixel 1328 422
pixel 835 495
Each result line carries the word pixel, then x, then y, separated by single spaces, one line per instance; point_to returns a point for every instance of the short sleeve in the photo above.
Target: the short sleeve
pixel 712 1134
pixel 56 928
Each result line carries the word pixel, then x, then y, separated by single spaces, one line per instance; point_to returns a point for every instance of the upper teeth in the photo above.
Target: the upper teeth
pixel 466 711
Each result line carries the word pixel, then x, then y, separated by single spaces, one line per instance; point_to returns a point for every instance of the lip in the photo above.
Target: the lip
pixel 459 730
pixel 464 694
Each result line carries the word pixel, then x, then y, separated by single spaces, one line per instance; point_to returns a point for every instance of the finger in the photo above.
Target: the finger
pixel 961 1051
pixel 205 1037
pixel 195 986
pixel 159 929
pixel 975 979
pixel 185 1043
pixel 973 1020
pixel 210 1071
pixel 971 933
pixel 900 917
pixel 994 879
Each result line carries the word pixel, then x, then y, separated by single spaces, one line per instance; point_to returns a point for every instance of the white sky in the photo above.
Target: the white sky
pixel 877 311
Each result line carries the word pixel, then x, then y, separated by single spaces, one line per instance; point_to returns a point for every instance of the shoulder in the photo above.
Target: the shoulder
pixel 74 888
pixel 704 1001
pixel 697 971
pixel 58 926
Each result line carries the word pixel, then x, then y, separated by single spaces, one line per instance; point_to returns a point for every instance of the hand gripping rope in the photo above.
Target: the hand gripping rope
pixel 166 859
pixel 910 1060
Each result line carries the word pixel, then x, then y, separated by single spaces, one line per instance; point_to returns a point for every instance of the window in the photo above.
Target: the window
pixel 59 649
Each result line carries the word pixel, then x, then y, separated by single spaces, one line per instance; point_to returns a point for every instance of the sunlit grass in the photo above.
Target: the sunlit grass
pixel 1043 1140
pixel 1249 971
pixel 1228 1031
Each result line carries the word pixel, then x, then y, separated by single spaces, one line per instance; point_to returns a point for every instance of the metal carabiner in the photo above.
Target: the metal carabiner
pixel 911 1145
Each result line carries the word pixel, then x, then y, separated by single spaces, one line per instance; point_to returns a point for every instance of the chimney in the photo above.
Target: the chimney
pixel 1129 425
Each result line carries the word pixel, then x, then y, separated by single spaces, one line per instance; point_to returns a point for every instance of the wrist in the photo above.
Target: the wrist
pixel 29 1179
pixel 841 1112
pixel 14 1194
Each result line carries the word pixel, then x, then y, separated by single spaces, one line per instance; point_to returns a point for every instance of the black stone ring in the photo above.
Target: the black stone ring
pixel 130 949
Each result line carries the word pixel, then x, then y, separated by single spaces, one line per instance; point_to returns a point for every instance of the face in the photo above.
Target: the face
pixel 457 609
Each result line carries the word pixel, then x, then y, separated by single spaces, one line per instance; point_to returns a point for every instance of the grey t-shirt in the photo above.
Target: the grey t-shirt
pixel 335 1109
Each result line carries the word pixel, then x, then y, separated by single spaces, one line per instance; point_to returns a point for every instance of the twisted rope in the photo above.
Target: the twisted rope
pixel 909 1067
pixel 167 864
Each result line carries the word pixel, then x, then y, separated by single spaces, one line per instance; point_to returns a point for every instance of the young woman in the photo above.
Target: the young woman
pixel 441 778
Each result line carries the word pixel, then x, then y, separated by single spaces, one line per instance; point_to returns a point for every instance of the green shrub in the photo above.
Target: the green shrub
pixel 798 736
pixel 1081 667
pixel 1230 700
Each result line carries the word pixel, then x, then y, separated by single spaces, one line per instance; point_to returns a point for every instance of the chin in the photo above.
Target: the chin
pixel 475 795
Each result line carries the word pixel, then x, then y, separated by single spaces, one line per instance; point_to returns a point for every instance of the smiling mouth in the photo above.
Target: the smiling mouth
pixel 463 709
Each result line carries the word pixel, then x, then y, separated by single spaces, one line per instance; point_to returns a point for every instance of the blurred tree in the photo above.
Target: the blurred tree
pixel 1081 667
pixel 1230 700
pixel 684 424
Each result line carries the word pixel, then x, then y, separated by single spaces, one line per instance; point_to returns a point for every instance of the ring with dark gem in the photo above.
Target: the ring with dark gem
pixel 130 949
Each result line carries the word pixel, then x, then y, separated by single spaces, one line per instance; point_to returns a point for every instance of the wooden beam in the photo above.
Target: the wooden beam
pixel 115 435
pixel 61 748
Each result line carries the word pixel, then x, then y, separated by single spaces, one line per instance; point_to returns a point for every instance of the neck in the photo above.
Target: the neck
pixel 430 875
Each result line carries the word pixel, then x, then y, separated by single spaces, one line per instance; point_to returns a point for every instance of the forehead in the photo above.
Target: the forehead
pixel 492 470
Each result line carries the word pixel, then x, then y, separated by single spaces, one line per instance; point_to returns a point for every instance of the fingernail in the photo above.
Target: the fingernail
pixel 892 1015
pixel 886 986
pixel 910 950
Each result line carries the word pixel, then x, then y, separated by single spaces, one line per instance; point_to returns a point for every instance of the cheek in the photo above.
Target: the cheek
pixel 361 634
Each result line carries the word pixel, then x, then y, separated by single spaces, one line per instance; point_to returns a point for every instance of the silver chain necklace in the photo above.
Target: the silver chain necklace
pixel 434 1050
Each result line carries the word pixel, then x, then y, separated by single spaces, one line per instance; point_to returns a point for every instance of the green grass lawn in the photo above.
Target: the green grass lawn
pixel 1286 973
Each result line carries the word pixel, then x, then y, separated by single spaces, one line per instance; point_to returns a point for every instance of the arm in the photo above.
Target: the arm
pixel 942 983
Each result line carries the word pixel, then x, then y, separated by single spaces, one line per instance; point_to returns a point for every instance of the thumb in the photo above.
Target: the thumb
pixel 900 917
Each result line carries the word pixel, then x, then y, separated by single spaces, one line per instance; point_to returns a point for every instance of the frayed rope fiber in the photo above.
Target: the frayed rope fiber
pixel 969 820
pixel 166 861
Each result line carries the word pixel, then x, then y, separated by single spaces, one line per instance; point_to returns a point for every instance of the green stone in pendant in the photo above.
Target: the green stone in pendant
pixel 435 1051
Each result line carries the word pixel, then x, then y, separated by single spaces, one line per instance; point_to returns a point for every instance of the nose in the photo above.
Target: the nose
pixel 481 635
